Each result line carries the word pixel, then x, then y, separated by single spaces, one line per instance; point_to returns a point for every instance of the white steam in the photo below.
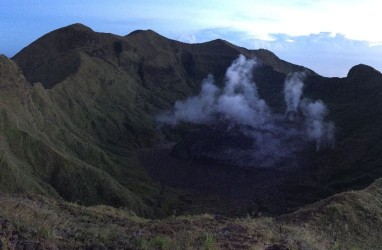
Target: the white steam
pixel 237 102
pixel 239 108
pixel 293 90
pixel 197 109
pixel 316 128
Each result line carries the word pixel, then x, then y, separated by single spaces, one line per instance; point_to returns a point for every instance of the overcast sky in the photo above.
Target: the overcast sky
pixel 328 36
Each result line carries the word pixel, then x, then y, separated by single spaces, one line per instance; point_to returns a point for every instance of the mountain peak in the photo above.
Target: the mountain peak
pixel 77 26
pixel 362 72
pixel 73 35
pixel 49 52
pixel 146 34
pixel 362 68
pixel 143 32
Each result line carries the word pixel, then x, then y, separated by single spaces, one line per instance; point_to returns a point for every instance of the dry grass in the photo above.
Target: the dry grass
pixel 351 220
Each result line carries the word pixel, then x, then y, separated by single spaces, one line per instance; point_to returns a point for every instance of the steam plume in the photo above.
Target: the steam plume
pixel 275 137
pixel 292 92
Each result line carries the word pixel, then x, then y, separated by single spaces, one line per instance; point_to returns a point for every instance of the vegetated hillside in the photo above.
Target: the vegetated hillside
pixel 91 102
pixel 350 220
pixel 77 106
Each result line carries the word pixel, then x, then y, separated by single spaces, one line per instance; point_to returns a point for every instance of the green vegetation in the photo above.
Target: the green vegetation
pixel 75 112
pixel 76 134
pixel 343 221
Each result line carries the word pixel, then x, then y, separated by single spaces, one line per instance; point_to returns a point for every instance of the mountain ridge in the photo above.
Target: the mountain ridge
pixel 77 36
pixel 77 126
pixel 115 85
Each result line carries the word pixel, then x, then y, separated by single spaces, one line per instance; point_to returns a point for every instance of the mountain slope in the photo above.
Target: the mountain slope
pixel 77 124
pixel 355 104
pixel 90 102
pixel 44 152
pixel 96 101
pixel 351 220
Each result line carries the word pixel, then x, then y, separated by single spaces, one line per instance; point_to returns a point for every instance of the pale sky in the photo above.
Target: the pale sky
pixel 326 36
